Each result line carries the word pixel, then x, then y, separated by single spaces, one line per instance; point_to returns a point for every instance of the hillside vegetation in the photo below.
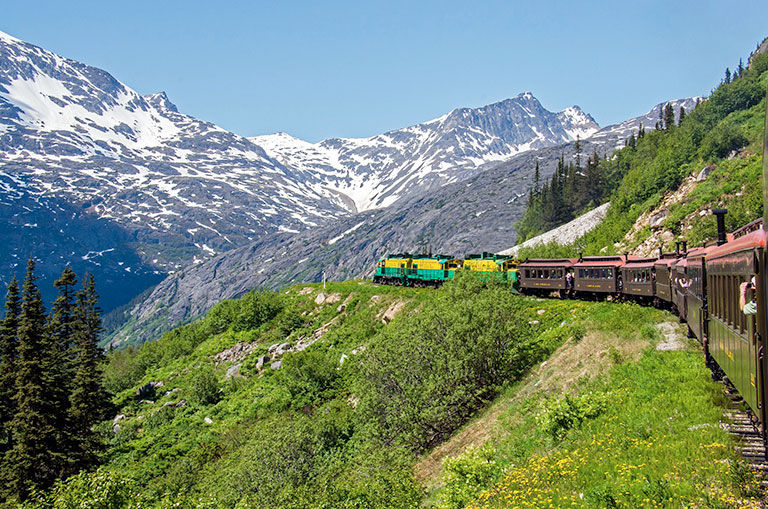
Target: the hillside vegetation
pixel 724 131
pixel 372 380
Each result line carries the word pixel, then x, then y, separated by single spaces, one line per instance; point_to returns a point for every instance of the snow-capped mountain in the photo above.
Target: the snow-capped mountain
pixel 180 190
pixel 618 133
pixel 376 172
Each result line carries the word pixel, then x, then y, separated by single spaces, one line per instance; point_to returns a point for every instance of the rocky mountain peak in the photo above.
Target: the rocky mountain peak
pixel 160 101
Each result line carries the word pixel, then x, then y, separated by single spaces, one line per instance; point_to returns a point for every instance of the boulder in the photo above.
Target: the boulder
pixel 658 218
pixel 208 420
pixel 182 403
pixel 237 352
pixel 320 298
pixel 146 391
pixel 262 360
pixel 704 173
pixel 118 418
pixel 306 290
pixel 276 365
pixel 234 370
pixel 332 298
pixel 115 428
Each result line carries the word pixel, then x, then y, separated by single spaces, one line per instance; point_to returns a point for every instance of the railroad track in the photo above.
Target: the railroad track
pixel 744 426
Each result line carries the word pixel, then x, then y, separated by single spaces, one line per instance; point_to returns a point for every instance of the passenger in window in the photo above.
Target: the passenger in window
pixel 748 307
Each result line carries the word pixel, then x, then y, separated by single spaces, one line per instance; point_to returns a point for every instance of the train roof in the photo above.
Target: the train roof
pixel 601 261
pixel 751 240
pixel 487 256
pixel 666 261
pixel 547 262
pixel 640 263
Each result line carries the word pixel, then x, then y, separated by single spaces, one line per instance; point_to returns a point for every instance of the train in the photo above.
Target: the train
pixel 429 270
pixel 719 290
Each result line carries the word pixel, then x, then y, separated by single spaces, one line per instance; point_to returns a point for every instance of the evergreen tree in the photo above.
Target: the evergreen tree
pixel 8 347
pixel 727 75
pixel 593 177
pixel 682 116
pixel 88 400
pixel 536 178
pixel 29 462
pixel 740 68
pixel 578 152
pixel 669 117
pixel 58 370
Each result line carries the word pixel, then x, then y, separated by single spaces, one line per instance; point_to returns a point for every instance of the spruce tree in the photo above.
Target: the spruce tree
pixel 29 461
pixel 669 117
pixel 727 75
pixel 88 400
pixel 58 369
pixel 682 116
pixel 578 152
pixel 8 352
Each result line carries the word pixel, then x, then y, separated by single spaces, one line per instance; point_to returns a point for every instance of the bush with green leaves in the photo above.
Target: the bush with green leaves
pixel 465 476
pixel 204 387
pixel 562 414
pixel 89 490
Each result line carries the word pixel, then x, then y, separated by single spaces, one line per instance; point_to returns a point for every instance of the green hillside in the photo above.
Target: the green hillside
pixel 385 377
pixel 724 131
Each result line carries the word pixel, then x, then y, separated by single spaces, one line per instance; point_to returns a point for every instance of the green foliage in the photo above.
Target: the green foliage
pixel 422 378
pixel 88 490
pixel 561 414
pixel 204 387
pixel 8 346
pixel 466 475
pixel 310 378
pixel 719 142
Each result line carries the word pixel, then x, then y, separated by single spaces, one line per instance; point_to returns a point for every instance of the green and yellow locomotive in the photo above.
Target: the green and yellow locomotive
pixel 425 270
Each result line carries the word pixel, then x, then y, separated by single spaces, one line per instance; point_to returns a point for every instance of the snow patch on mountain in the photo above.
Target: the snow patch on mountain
pixel 370 173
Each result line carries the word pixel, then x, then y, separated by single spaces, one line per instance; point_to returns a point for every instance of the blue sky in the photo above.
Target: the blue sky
pixel 324 69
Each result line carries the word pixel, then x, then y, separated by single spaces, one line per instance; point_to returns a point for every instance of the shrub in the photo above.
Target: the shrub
pixel 465 476
pixel 204 387
pixel 721 141
pixel 568 412
pixel 256 309
pixel 89 490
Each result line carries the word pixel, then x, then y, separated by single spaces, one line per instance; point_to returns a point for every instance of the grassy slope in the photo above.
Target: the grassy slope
pixel 658 413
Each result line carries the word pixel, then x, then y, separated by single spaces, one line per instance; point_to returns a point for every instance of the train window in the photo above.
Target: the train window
pixel 527 273
pixel 742 316
pixel 559 273
pixel 732 303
